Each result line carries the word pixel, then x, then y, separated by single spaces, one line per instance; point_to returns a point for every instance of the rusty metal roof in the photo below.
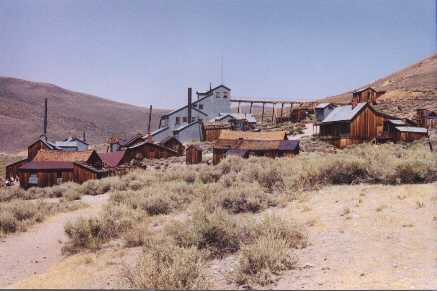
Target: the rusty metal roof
pixel 263 135
pixel 63 156
pixel 47 165
pixel 112 159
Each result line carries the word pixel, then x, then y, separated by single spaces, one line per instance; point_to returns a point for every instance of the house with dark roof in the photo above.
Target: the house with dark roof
pixel 322 110
pixel 185 122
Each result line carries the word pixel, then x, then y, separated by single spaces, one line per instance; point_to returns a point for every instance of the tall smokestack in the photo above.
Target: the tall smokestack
pixel 189 105
pixel 45 118
pixel 149 133
pixel 84 135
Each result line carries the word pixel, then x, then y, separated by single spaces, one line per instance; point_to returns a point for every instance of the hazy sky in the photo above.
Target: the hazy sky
pixel 149 52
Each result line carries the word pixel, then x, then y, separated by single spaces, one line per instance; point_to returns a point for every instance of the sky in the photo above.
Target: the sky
pixel 149 52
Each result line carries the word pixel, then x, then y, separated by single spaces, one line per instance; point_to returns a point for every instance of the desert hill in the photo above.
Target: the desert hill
pixel 69 113
pixel 409 89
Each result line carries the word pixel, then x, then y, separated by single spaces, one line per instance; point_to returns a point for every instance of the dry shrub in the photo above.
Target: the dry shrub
pixel 17 215
pixel 217 232
pixel 137 235
pixel 244 198
pixel 91 233
pixel 267 255
pixel 166 266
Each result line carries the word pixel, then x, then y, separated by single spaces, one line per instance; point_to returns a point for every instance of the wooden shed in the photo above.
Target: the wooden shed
pixel 12 169
pixel 83 172
pixel 426 118
pixel 212 131
pixel 410 133
pixel 193 154
pixel 173 143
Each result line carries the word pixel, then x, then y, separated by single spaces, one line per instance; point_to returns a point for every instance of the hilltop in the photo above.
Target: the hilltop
pixel 406 90
pixel 69 113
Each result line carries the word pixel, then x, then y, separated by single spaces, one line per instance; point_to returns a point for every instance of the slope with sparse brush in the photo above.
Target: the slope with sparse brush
pixel 21 114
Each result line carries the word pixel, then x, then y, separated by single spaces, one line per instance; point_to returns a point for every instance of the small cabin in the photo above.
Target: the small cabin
pixel 322 110
pixel 147 150
pixel 409 133
pixel 193 154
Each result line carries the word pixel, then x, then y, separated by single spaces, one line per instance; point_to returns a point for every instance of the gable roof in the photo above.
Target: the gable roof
pixel 344 113
pixel 112 159
pixel 167 139
pixel 52 155
pixel 185 106
pixel 152 144
pixel 363 89
pixel 263 135
pixel 74 138
pixel 47 143
pixel 213 89
pixel 129 141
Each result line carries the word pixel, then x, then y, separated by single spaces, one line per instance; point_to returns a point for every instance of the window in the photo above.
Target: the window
pixel 184 119
pixel 178 120
pixel 33 179
pixel 217 94
pixel 58 177
pixel 200 106
pixel 225 95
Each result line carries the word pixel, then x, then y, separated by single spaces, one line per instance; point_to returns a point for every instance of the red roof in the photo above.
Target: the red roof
pixel 47 165
pixel 112 159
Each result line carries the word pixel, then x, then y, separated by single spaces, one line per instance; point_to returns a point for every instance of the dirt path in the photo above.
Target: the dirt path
pixel 33 252
pixel 307 131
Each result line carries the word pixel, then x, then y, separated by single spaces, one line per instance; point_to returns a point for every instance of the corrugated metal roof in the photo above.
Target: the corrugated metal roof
pixel 235 135
pixel 112 159
pixel 412 129
pixel 66 144
pixel 53 155
pixel 344 113
pixel 47 165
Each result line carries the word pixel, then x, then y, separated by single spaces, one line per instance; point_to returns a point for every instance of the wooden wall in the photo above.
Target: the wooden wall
pixel 193 155
pixel 45 178
pixel 213 133
pixel 12 169
pixel 147 150
pixel 82 174
pixel 367 125
pixel 408 136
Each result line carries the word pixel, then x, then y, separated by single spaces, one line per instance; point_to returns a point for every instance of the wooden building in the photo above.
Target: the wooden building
pixel 246 148
pixel 173 143
pixel 253 135
pixel 52 167
pixel 193 154
pixel 212 131
pixel 83 172
pixel 41 144
pixel 426 118
pixel 349 124
pixel 12 169
pixel 149 151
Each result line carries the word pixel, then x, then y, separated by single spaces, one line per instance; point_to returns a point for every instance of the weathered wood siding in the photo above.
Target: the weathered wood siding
pixel 148 151
pixel 408 136
pixel 12 169
pixel 367 125
pixel 45 178
pixel 193 155
pixel 34 148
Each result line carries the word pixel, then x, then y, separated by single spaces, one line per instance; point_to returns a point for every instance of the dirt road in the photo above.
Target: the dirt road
pixel 33 252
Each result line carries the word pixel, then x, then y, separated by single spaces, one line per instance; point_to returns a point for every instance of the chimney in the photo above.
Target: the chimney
pixel 84 136
pixel 149 133
pixel 354 101
pixel 189 105
pixel 45 118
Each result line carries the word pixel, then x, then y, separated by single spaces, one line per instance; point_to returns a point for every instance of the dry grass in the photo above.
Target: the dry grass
pixel 18 215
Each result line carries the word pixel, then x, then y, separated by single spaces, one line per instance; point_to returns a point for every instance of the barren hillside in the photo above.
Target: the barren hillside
pixel 410 88
pixel 21 114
